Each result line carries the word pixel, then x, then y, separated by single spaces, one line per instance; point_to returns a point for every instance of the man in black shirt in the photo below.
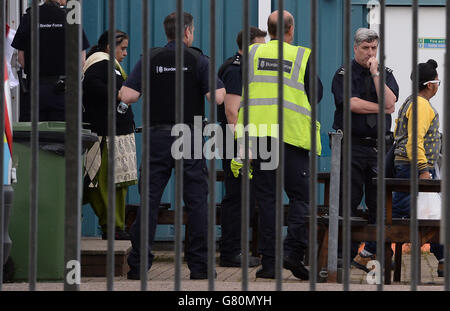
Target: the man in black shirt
pixel 231 75
pixel 52 23
pixel 162 121
pixel 364 106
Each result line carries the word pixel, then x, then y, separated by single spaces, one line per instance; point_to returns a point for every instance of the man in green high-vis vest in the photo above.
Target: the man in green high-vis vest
pixel 263 133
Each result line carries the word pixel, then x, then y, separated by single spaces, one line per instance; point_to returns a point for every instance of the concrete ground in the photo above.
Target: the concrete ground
pixel 161 278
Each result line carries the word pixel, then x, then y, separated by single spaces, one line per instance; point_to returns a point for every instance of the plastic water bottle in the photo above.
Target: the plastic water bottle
pixel 122 108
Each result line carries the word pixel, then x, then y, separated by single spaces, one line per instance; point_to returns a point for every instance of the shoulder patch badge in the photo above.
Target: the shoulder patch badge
pixel 237 60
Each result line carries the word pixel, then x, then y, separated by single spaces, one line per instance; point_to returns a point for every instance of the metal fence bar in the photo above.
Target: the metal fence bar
pixel 313 153
pixel 381 184
pixel 112 98
pixel 280 171
pixel 245 197
pixel 32 272
pixel 347 147
pixel 415 248
pixel 179 116
pixel 445 220
pixel 2 126
pixel 335 176
pixel 144 191
pixel 212 162
pixel 72 227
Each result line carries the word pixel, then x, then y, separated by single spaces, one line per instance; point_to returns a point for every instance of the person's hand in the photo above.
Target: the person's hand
pixel 390 110
pixel 425 175
pixel 236 166
pixel 373 65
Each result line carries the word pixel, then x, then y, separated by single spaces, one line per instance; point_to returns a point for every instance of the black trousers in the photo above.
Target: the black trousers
pixel 296 185
pixel 195 194
pixel 230 242
pixel 51 104
pixel 364 167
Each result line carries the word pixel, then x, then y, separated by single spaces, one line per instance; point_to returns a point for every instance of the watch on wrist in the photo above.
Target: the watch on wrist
pixel 375 74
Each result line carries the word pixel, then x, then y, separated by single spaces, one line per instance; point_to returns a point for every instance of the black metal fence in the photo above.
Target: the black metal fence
pixel 73 147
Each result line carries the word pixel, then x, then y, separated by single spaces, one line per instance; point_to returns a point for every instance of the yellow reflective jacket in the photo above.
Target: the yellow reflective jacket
pixel 263 95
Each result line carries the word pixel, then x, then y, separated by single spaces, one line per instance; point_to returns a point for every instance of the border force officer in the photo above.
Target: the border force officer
pixel 162 120
pixel 52 60
pixel 231 75
pixel 364 106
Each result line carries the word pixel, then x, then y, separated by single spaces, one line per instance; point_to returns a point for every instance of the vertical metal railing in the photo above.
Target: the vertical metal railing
pixel 212 162
pixel 73 151
pixel 145 172
pixel 415 247
pixel 179 118
pixel 445 221
pixel 245 197
pixel 333 227
pixel 347 148
pixel 2 126
pixel 280 170
pixel 32 272
pixel 111 145
pixel 381 190
pixel 313 153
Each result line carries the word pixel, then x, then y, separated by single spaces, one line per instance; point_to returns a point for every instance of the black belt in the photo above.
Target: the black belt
pixel 51 78
pixel 370 141
pixel 162 127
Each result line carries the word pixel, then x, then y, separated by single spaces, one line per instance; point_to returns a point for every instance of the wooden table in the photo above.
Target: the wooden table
pixel 395 230
pixel 428 230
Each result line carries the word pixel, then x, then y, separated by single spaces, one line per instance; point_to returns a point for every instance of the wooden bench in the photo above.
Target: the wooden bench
pixel 395 230
pixel 166 216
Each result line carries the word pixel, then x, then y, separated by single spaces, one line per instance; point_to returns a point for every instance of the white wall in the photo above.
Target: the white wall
pixel 13 20
pixel 399 53
pixel 264 11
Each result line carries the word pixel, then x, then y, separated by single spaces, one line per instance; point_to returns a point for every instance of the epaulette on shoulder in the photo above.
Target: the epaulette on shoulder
pixel 236 60
pixel 389 70
pixel 341 71
pixel 197 49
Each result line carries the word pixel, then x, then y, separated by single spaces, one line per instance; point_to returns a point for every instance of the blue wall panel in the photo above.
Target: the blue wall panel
pixel 330 37
pixel 129 19
pixel 406 2
pixel 228 24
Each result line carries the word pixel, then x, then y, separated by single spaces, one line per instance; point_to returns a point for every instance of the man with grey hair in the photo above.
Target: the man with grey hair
pixel 364 96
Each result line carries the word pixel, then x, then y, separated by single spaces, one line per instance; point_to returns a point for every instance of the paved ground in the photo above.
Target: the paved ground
pixel 161 278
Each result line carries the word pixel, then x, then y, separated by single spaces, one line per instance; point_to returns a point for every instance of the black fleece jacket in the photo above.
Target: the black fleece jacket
pixel 95 101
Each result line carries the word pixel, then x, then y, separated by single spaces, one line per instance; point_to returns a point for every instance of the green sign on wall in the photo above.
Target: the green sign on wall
pixel 431 43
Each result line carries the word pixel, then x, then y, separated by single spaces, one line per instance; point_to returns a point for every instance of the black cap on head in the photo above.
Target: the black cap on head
pixel 427 72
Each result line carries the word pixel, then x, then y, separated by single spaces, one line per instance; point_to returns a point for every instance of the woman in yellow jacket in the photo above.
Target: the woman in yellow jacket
pixel 428 144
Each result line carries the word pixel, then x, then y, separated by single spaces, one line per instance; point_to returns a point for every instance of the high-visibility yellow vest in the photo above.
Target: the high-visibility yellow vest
pixel 263 95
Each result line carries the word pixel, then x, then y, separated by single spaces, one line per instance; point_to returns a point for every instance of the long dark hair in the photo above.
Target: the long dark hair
pixel 102 43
